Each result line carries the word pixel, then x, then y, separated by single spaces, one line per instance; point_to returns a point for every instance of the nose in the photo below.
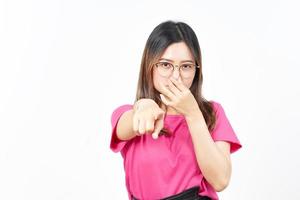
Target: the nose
pixel 176 72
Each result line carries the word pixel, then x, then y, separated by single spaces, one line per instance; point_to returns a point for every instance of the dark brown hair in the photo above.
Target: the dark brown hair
pixel 161 37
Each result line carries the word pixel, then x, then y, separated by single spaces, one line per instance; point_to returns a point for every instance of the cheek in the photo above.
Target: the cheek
pixel 188 83
pixel 158 79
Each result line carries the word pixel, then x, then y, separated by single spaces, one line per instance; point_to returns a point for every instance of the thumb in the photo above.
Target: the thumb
pixel 164 100
pixel 159 114
pixel 158 126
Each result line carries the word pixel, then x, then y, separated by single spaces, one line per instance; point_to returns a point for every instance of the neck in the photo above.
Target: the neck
pixel 169 110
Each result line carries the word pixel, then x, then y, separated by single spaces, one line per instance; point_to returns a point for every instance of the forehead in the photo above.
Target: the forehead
pixel 178 52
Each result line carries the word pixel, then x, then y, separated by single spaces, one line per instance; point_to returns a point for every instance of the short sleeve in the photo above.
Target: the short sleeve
pixel 116 144
pixel 223 129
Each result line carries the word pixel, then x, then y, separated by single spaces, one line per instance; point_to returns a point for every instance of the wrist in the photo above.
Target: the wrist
pixel 196 119
pixel 195 115
pixel 143 102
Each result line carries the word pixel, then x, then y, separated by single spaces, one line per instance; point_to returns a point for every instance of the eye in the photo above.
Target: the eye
pixel 187 66
pixel 165 65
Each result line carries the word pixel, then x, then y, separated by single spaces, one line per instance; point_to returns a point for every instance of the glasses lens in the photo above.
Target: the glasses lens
pixel 164 68
pixel 187 70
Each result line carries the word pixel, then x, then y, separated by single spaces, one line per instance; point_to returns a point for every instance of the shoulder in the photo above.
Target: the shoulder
pixel 216 105
pixel 119 110
pixel 122 107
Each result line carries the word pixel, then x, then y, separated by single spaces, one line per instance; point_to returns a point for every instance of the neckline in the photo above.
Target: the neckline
pixel 174 115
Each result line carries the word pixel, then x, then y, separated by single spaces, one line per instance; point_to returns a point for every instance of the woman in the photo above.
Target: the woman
pixel 175 144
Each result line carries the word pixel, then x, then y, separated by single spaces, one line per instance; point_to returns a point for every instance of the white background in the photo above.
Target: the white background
pixel 65 65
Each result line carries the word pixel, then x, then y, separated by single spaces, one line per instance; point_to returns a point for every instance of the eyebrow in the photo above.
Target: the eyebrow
pixel 173 61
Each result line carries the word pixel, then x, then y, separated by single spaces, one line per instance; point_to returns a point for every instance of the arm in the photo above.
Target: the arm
pixel 213 157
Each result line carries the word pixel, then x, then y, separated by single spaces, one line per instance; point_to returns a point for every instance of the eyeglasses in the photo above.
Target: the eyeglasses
pixel 166 69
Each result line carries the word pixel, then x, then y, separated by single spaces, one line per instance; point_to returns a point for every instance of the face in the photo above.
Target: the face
pixel 177 54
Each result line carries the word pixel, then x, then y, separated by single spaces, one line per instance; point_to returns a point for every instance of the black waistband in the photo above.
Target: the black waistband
pixel 189 194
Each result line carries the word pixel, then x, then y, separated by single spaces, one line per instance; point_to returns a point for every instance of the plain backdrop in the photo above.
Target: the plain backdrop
pixel 66 65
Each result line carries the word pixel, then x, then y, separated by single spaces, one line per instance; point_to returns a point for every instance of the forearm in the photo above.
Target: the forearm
pixel 213 164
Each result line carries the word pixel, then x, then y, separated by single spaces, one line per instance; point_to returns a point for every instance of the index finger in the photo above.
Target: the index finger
pixel 179 84
pixel 166 91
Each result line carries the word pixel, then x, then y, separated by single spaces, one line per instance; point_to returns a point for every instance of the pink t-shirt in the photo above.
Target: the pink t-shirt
pixel 155 169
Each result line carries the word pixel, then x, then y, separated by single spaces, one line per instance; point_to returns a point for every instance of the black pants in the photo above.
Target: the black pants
pixel 189 194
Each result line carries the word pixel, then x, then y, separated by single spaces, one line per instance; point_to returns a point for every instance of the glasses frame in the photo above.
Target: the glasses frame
pixel 177 66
